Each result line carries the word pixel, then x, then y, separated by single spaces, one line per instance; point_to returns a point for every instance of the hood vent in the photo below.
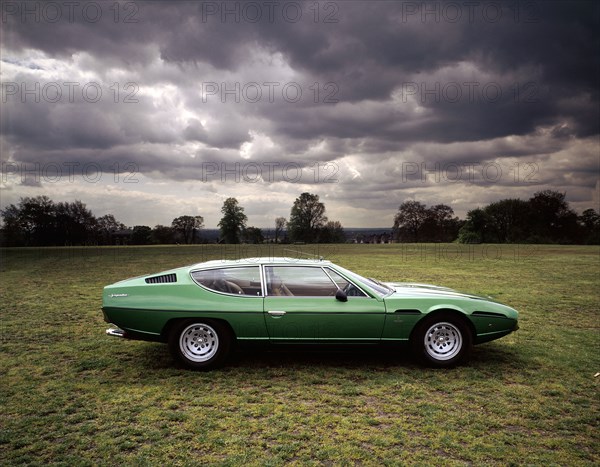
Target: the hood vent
pixel 164 279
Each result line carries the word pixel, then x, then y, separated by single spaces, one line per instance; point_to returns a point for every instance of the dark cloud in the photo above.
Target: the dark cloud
pixel 382 82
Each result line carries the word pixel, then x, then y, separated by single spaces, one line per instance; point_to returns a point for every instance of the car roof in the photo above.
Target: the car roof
pixel 262 260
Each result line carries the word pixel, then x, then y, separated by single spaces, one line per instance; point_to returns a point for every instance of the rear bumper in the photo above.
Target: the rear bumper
pixel 116 332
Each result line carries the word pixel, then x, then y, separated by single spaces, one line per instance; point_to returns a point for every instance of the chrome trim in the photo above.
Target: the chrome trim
pixel 115 332
pixel 276 313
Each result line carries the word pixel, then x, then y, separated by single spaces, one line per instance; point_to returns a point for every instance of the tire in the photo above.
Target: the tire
pixel 200 344
pixel 443 340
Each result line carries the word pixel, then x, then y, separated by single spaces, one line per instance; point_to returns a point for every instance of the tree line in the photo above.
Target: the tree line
pixel 544 218
pixel 39 221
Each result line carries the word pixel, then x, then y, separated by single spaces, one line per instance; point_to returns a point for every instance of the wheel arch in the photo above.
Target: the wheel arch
pixel 169 325
pixel 441 310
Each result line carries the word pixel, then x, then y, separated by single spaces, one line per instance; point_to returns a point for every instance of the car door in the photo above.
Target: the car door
pixel 300 304
pixel 236 296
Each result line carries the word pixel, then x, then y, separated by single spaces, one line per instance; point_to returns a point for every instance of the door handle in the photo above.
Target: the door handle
pixel 276 313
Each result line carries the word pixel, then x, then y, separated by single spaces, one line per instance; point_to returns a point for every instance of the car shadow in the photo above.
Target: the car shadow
pixel 319 356
pixel 248 357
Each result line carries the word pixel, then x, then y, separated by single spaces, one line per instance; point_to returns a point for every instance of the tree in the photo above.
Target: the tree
pixel 546 217
pixel 509 220
pixel 233 221
pixel 440 225
pixel 552 219
pixel 253 235
pixel 162 234
pixel 106 226
pixel 13 233
pixel 187 226
pixel 75 223
pixel 332 232
pixel 590 223
pixel 37 218
pixel 306 218
pixel 476 228
pixel 141 235
pixel 279 226
pixel 39 221
pixel 409 220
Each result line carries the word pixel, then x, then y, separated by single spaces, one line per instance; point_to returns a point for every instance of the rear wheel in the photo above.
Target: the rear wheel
pixel 200 344
pixel 442 340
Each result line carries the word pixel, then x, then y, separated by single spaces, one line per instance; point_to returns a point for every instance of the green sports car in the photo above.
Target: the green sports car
pixel 202 310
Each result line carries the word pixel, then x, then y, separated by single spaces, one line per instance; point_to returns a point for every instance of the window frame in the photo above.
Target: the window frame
pixel 322 268
pixel 245 266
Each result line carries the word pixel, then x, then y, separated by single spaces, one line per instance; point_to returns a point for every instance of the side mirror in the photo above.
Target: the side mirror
pixel 341 296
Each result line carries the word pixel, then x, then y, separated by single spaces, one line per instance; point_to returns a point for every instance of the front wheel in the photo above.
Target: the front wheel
pixel 200 344
pixel 442 340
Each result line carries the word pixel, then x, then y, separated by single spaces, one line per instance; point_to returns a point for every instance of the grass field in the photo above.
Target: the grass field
pixel 71 395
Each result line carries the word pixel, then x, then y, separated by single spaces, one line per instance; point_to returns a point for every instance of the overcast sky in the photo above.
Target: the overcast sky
pixel 154 110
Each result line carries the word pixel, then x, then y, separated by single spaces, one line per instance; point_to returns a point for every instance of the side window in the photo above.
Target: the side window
pixel 238 281
pixel 350 289
pixel 299 281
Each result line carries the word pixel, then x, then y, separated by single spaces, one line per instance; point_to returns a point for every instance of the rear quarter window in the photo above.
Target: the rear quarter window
pixel 236 281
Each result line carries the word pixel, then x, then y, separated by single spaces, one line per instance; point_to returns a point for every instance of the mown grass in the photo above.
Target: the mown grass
pixel 71 395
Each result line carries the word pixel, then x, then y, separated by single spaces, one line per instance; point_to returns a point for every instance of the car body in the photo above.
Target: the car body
pixel 203 309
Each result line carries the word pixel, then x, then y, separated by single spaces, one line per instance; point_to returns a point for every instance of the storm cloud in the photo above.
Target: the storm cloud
pixel 179 105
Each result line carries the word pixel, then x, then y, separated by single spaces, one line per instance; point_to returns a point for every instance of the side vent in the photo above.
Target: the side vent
pixel 164 279
pixel 488 314
pixel 408 312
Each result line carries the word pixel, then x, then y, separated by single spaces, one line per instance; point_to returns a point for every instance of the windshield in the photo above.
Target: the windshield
pixel 380 289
